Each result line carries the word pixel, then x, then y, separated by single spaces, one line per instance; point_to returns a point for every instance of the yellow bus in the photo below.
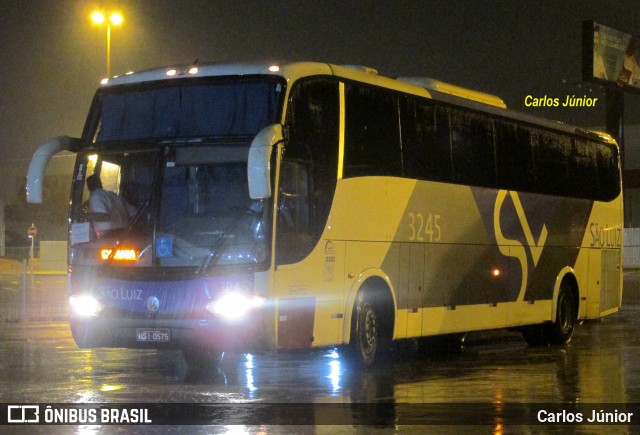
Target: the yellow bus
pixel 291 206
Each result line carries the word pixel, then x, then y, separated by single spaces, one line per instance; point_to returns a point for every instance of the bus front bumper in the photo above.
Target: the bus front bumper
pixel 247 335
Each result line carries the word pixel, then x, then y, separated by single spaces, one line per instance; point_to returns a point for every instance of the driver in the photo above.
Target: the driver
pixel 107 210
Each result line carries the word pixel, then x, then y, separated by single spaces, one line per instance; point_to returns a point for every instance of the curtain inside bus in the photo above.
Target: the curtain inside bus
pixel 202 110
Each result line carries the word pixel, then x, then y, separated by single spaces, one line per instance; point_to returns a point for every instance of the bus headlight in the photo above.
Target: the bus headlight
pixel 234 306
pixel 85 305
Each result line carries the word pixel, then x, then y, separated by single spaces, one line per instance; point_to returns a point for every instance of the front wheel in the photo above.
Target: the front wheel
pixel 366 344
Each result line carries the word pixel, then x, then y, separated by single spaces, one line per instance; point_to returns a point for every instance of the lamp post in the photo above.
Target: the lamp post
pixel 116 19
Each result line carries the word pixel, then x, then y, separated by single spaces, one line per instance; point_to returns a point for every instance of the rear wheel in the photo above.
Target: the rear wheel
pixel 561 330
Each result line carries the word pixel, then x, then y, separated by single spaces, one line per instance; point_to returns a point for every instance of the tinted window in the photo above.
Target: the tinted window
pixel 309 168
pixel 426 143
pixel 372 132
pixel 514 157
pixel 608 174
pixel 472 149
pixel 551 153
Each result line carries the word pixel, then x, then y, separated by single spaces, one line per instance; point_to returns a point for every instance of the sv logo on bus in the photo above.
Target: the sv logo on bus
pixel 514 248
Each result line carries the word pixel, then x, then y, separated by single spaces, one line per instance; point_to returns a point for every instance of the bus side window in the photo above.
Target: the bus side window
pixel 514 157
pixel 309 168
pixel 608 171
pixel 582 174
pixel 551 159
pixel 472 149
pixel 294 206
pixel 426 148
pixel 372 132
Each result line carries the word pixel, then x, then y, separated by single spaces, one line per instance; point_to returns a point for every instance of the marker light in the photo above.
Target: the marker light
pixel 172 72
pixel 233 306
pixel 193 70
pixel 496 272
pixel 274 68
pixel 85 305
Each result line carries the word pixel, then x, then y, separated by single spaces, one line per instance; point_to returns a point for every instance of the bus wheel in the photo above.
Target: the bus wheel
pixel 561 330
pixel 367 333
pixel 200 359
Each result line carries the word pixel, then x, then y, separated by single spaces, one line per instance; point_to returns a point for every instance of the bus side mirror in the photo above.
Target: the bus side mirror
pixel 35 174
pixel 259 162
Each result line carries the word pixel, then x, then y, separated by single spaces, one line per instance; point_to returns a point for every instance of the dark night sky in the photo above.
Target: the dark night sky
pixel 52 57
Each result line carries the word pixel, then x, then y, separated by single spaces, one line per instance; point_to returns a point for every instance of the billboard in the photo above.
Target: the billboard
pixel 609 55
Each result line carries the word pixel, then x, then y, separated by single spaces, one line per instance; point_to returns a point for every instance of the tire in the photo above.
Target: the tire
pixel 366 344
pixel 561 330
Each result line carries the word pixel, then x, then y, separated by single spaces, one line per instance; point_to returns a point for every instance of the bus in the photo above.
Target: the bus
pixel 301 205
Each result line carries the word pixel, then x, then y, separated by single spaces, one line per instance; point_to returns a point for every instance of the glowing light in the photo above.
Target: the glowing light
pixel 496 272
pixel 122 254
pixel 193 70
pixel 274 68
pixel 234 305
pixel 104 81
pixel 85 305
pixel 116 19
pixel 334 375
pixel 333 354
pixel 97 17
pixel 172 72
pixel 110 387
pixel 249 372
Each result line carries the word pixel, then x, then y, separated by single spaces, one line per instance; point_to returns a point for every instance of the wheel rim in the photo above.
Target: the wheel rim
pixel 565 315
pixel 370 328
pixel 368 332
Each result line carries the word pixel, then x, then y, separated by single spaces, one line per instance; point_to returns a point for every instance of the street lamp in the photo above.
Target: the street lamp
pixel 116 19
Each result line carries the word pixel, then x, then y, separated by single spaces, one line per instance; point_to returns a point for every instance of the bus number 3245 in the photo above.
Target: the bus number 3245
pixel 424 227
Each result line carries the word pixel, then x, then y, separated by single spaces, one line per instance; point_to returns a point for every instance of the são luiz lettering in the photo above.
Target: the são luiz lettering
pixel 597 416
pixel 569 101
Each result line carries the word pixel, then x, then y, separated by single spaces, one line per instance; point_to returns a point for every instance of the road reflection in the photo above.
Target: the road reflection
pixel 41 364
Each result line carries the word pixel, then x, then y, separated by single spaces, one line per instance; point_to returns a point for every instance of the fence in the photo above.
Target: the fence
pixel 33 287
pixel 48 256
pixel 27 296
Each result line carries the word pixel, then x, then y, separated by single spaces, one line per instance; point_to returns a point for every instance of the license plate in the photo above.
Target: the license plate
pixel 152 335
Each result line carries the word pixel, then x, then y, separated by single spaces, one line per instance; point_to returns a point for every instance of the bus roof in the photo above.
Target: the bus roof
pixel 291 71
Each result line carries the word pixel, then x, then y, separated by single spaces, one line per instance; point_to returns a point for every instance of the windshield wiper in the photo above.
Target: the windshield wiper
pixel 214 251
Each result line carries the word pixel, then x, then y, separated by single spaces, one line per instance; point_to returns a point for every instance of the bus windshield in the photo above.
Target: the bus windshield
pixel 163 182
pixel 186 207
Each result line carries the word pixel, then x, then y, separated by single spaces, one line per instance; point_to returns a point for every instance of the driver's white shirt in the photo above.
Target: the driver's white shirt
pixel 104 201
